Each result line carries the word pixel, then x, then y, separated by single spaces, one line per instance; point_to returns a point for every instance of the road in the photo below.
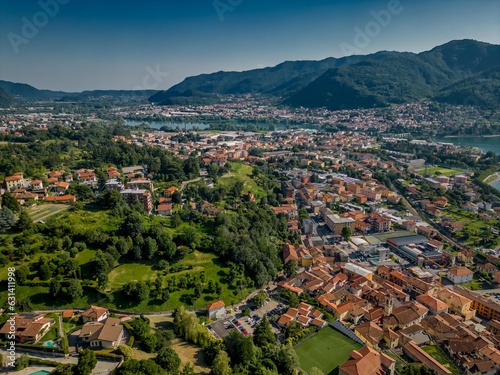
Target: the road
pixel 185 183
pixel 416 212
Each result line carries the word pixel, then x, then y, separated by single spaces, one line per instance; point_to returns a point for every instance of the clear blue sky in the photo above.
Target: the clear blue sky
pixel 109 44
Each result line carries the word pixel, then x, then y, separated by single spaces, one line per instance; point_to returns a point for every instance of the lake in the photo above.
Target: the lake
pixel 485 144
pixel 496 185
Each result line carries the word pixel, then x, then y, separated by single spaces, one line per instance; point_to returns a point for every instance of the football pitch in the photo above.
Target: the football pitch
pixel 327 350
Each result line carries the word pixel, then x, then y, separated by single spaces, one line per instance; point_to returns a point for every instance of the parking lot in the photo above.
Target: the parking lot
pixel 245 324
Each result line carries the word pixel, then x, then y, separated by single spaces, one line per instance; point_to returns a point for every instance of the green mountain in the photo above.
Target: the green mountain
pixel 5 99
pixel 481 90
pixel 280 80
pixel 350 82
pixel 29 93
pixel 400 78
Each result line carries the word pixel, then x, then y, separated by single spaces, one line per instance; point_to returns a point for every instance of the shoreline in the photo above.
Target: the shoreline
pixel 492 178
pixel 471 136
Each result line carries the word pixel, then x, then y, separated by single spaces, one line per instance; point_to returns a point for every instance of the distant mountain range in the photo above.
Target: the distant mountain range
pixel 5 99
pixel 24 92
pixel 449 73
pixel 458 72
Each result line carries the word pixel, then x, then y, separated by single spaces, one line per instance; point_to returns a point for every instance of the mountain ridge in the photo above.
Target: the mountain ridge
pixel 347 83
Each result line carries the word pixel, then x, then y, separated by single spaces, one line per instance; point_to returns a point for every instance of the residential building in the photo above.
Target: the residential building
pixel 28 328
pixel 486 308
pixel 460 275
pixel 95 314
pixel 105 335
pixel 368 361
pixel 140 195
pixel 216 310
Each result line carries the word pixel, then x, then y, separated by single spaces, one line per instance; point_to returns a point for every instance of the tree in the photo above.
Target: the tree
pixel 149 248
pixel 9 201
pixel 137 290
pixel 263 334
pixel 64 369
pixel 158 287
pixel 22 275
pixel 417 370
pixel 7 218
pixel 176 197
pixel 240 348
pixel 291 268
pixel 346 233
pixel 188 370
pixel 218 288
pixel 126 351
pixel 260 298
pixel 45 272
pixel 24 221
pixel 221 364
pixel 133 225
pixel 286 360
pixel 54 288
pixel 21 362
pixel 74 289
pixel 168 359
pixel 143 367
pixel 175 221
pixel 86 362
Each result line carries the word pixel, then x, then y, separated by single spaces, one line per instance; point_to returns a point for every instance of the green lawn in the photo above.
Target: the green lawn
pixel 327 351
pixel 242 172
pixel 85 256
pixel 437 353
pixel 129 272
pixel 443 171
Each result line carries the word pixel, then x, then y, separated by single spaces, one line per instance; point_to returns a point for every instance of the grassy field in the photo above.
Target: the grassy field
pixel 85 256
pixel 438 354
pixel 130 272
pixel 241 172
pixel 441 171
pixel 189 353
pixel 327 351
pixel 126 271
pixel 42 212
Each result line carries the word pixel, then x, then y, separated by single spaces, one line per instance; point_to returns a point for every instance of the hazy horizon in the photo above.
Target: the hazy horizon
pixel 74 46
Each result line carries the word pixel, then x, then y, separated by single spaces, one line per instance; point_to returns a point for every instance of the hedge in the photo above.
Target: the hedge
pixel 103 354
pixel 39 361
pixel 42 348
pixel 65 344
pixel 131 341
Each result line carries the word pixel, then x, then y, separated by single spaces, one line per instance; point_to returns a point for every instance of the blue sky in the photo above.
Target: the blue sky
pixel 89 44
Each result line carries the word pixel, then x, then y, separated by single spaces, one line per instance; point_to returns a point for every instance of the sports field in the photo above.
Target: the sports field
pixel 327 350
pixel 439 170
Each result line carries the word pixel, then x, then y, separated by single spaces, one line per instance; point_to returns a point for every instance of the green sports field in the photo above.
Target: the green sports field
pixel 327 350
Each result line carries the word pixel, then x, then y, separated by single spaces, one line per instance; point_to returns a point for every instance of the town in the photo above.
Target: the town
pixel 392 256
